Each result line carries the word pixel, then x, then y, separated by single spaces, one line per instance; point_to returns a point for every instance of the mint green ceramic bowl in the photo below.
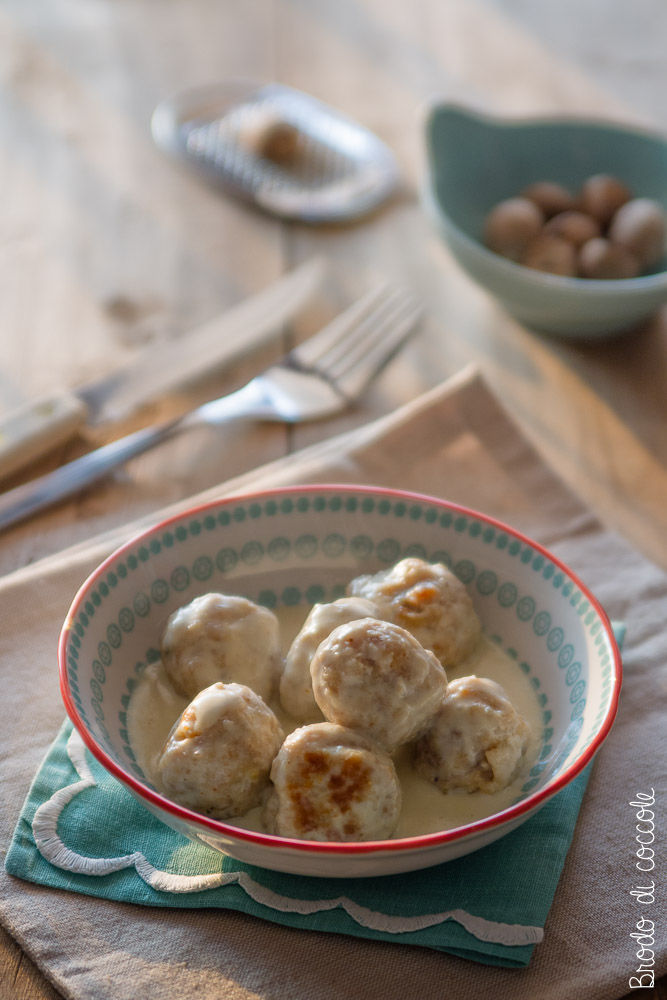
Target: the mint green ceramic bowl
pixel 475 160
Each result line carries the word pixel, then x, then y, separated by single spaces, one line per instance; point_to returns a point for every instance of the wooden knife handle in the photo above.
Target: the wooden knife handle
pixel 31 430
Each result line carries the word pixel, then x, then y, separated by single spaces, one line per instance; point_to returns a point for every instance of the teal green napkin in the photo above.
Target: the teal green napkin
pixel 95 838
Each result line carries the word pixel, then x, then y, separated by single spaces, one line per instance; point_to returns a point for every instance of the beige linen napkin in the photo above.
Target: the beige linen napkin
pixel 457 443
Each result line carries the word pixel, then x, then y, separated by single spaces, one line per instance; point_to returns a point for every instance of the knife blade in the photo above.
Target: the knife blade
pixel 33 429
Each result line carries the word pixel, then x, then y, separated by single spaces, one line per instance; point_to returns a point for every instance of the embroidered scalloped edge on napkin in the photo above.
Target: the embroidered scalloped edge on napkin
pixel 54 850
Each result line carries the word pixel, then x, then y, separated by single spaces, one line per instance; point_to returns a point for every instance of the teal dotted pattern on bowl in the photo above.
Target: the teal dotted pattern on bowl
pixel 208 550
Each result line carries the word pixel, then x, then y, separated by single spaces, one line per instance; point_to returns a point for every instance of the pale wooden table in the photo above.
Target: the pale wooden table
pixel 107 245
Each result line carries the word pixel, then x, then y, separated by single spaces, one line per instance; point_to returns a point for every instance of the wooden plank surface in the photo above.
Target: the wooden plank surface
pixel 106 245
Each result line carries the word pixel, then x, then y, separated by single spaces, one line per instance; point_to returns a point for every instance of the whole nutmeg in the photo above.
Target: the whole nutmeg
pixel 552 254
pixel 602 259
pixel 550 198
pixel 602 195
pixel 575 227
pixel 263 132
pixel 511 226
pixel 639 226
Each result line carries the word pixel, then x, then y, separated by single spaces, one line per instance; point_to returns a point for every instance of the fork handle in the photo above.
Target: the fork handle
pixel 38 494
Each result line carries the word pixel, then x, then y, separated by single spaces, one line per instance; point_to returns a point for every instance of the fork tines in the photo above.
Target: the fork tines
pixel 356 344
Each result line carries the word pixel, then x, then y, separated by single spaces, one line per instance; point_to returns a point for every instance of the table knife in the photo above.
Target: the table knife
pixel 31 430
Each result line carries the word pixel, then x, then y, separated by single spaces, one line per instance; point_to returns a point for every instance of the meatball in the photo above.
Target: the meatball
pixel 476 741
pixel 330 783
pixel 428 600
pixel 374 677
pixel 218 756
pixel 222 638
pixel 296 690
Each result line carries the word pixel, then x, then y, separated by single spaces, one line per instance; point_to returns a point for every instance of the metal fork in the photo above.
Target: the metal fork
pixel 320 377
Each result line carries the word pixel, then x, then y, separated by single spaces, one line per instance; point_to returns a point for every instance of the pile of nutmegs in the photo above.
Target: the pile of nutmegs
pixel 601 232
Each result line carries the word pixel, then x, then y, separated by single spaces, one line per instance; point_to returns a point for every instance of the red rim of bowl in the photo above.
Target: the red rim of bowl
pixel 519 809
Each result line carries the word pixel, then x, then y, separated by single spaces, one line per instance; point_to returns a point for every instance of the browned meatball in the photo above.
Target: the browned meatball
pixel 218 755
pixel 428 600
pixel 476 741
pixel 330 783
pixel 219 637
pixel 373 676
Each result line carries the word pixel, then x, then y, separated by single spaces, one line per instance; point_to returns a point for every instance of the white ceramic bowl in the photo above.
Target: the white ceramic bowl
pixel 298 546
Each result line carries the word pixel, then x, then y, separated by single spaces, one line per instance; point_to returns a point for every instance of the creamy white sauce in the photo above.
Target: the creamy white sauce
pixel 155 707
pixel 210 704
pixel 153 710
